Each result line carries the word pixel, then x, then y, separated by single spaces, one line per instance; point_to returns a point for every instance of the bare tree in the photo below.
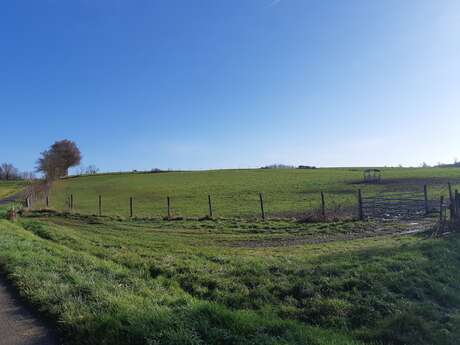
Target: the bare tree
pixel 87 170
pixel 81 170
pixel 28 176
pixel 91 170
pixel 8 172
pixel 56 161
pixel 48 165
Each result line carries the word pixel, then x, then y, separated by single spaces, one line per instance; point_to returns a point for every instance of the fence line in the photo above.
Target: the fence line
pixel 395 204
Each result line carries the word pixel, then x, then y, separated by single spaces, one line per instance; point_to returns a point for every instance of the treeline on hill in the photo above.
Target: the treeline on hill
pixel 8 172
pixel 53 163
pixel 452 165
pixel 455 164
pixel 286 166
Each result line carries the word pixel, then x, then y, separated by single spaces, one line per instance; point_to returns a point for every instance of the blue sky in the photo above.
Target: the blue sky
pixel 228 84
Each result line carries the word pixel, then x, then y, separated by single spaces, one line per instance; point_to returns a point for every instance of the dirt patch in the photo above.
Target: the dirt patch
pixel 18 326
pixel 334 212
pixel 399 229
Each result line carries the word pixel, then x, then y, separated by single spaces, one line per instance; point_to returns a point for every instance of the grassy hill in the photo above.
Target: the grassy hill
pixel 235 193
pixel 236 281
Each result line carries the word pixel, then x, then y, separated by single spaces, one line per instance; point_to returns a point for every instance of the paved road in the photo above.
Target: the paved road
pixel 10 199
pixel 18 326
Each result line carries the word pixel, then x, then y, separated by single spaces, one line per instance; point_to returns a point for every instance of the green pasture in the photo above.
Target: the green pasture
pixel 235 193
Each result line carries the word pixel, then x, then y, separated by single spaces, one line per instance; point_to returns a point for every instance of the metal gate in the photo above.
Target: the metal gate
pixel 398 205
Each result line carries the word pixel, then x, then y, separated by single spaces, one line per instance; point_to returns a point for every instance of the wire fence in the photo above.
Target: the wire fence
pixel 307 206
pixel 247 205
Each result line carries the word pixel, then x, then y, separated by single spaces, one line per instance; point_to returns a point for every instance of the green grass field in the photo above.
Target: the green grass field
pixel 230 280
pixel 104 281
pixel 8 188
pixel 235 193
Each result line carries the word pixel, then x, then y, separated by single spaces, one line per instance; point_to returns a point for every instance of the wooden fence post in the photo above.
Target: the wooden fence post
pixel 451 201
pixel 454 206
pixel 27 202
pixel 168 202
pixel 131 207
pixel 425 194
pixel 360 205
pixel 457 205
pixel 71 201
pixel 261 198
pixel 441 210
pixel 210 206
pixel 323 206
pixel 47 201
pixel 100 206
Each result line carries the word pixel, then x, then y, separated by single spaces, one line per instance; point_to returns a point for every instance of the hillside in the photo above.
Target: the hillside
pixel 287 192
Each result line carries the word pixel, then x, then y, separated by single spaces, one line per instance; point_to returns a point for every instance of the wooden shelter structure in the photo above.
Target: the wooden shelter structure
pixel 372 175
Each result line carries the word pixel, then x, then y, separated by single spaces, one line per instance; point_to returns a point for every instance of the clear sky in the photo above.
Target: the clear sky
pixel 227 84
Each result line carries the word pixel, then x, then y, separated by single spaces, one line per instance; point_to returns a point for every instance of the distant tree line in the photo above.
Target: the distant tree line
pixel 8 172
pixel 455 164
pixel 285 166
pixel 89 170
pixel 451 165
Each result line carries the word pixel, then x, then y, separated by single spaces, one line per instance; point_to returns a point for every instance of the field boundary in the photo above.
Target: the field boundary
pixel 383 205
